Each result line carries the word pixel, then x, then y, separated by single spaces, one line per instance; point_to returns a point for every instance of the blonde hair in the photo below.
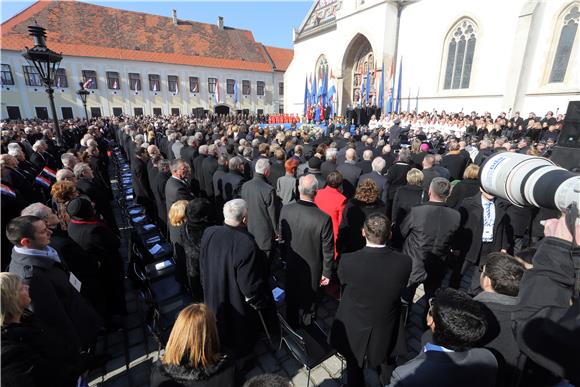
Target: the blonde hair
pixel 177 213
pixel 9 297
pixel 414 177
pixel 193 338
pixel 471 172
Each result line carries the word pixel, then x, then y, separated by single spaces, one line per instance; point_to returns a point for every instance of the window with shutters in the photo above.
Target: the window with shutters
pixel 230 86
pixel 60 80
pixel 89 79
pixel 260 87
pixel 211 82
pixel 6 78
pixel 246 87
pixel 154 82
pixel 135 81
pixel 173 83
pixel 113 80
pixel 194 84
pixel 460 46
pixel 568 28
pixel 31 76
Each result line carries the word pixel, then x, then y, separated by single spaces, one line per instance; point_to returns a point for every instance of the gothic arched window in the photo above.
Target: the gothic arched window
pixel 565 44
pixel 460 45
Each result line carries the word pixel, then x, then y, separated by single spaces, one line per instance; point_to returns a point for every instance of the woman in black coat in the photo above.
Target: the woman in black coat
pixel 397 177
pixel 365 202
pixel 192 357
pixel 467 187
pixel 29 357
pixel 198 213
pixel 406 197
pixel 97 239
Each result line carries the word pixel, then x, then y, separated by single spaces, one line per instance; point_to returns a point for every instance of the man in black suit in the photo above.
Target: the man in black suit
pixel 197 170
pixel 365 324
pixel 451 359
pixel 261 200
pixel 140 180
pixel 455 162
pixel 233 180
pixel 329 164
pixel 365 163
pixel 177 187
pixel 208 168
pixel 163 175
pixel 428 231
pixel 485 228
pixel 351 173
pixel 308 249
pixel 102 197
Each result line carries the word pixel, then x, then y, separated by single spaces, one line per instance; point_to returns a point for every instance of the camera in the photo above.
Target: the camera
pixel 530 181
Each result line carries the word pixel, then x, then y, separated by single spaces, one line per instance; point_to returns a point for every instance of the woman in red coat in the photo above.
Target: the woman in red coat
pixel 331 201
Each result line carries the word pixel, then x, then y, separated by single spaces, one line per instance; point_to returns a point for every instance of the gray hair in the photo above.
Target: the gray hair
pixel 234 163
pixel 64 174
pixel 262 165
pixel 37 144
pixel 308 185
pixel 36 209
pixel 378 164
pixel 80 169
pixel 175 164
pixel 330 153
pixel 164 165
pixel 203 150
pixel 440 186
pixel 68 160
pixel 13 146
pixel 367 154
pixel 248 152
pixel 234 211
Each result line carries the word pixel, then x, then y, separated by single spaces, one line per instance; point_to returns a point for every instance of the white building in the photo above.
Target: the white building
pixel 477 55
pixel 136 63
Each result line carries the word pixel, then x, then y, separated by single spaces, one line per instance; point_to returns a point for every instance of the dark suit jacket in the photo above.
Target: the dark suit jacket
pixel 208 168
pixel 327 167
pixel 365 165
pixel 159 193
pixel 456 164
pixel 350 173
pixel 463 189
pixel 469 238
pixel 261 199
pixel 308 249
pixel 175 190
pixel 196 172
pixel 365 323
pixel 140 179
pixel 232 183
pixel 39 161
pixel 277 170
pixel 474 368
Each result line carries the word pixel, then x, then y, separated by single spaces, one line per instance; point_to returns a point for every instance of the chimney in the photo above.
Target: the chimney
pixel 174 17
pixel 220 22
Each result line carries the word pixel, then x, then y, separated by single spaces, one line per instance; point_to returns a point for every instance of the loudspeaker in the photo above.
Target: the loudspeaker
pixel 570 133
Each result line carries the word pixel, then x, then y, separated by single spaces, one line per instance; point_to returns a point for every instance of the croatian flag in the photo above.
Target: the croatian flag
pixel 217 91
pixel 236 95
pixel 155 86
pixel 49 173
pixel 136 85
pixel 391 88
pixel 43 181
pixel 7 191
pixel 88 84
pixel 115 85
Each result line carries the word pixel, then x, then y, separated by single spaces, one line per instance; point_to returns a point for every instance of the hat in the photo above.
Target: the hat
pixel 314 163
pixel 424 147
pixel 198 210
pixel 80 208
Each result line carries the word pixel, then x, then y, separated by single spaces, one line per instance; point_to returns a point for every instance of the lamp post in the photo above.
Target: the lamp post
pixel 83 93
pixel 46 63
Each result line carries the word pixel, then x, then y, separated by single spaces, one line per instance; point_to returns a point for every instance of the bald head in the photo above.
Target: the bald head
pixel 350 154
pixel 307 186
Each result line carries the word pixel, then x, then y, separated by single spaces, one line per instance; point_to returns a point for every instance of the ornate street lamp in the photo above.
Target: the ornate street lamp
pixel 46 63
pixel 83 93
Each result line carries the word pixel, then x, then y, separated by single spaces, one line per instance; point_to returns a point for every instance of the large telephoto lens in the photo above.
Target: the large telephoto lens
pixel 530 181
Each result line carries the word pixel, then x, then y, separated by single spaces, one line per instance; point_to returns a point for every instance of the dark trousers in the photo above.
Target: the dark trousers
pixel 473 269
pixel 355 374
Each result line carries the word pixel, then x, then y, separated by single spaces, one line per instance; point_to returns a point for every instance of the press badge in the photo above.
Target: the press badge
pixel 74 281
pixel 487 235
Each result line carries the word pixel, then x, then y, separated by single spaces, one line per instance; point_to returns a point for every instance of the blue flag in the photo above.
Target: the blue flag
pixel 313 92
pixel 382 88
pixel 306 95
pixel 398 101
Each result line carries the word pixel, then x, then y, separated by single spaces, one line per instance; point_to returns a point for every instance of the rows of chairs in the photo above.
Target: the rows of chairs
pixel 151 263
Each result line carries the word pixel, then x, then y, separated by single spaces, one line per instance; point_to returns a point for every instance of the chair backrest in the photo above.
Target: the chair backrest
pixel 290 334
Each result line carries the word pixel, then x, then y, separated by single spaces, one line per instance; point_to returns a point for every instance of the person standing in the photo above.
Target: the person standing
pixel 308 249
pixel 332 202
pixel 428 232
pixel 365 324
pixel 261 200
pixel 233 278
pixel 177 187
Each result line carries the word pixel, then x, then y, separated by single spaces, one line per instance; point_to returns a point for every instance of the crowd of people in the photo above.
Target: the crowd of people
pixel 366 214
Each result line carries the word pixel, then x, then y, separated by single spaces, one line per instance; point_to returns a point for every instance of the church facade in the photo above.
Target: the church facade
pixel 453 55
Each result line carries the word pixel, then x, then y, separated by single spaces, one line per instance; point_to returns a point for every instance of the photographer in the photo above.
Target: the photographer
pixel 547 318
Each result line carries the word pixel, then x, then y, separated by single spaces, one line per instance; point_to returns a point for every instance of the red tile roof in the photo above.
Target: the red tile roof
pixel 81 29
pixel 280 56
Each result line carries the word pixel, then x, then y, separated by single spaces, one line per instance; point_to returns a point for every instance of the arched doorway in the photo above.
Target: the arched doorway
pixel 222 109
pixel 357 62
